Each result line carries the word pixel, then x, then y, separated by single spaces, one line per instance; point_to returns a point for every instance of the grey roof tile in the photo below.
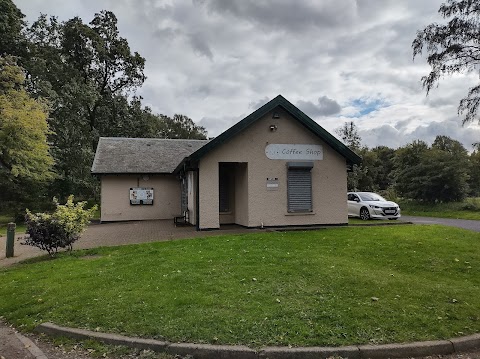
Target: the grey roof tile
pixel 141 155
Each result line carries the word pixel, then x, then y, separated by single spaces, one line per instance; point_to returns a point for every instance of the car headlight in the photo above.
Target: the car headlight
pixel 375 207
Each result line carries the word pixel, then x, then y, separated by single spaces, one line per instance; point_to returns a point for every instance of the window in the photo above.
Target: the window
pixel 299 186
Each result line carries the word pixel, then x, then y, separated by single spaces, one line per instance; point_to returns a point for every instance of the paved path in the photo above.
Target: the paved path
pixel 461 223
pixel 120 233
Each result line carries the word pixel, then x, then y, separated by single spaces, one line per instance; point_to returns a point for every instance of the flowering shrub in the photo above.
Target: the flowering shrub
pixel 60 229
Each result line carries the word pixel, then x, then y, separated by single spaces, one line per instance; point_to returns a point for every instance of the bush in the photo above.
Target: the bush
pixel 471 204
pixel 60 229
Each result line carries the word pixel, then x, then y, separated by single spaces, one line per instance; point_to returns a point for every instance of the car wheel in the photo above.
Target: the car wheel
pixel 364 214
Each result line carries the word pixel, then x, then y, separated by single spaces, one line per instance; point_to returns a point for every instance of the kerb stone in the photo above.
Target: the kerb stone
pixel 350 352
pixel 416 349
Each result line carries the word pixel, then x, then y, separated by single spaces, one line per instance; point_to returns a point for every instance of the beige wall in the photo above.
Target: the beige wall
pixel 115 198
pixel 329 181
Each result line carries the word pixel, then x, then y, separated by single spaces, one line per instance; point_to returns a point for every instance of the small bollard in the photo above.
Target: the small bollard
pixel 10 239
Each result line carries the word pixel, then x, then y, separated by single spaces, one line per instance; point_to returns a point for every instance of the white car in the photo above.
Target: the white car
pixel 368 205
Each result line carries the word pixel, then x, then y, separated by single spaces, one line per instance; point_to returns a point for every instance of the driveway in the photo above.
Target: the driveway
pixel 460 223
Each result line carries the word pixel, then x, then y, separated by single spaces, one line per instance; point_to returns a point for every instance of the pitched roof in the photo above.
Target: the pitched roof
pixel 117 155
pixel 279 101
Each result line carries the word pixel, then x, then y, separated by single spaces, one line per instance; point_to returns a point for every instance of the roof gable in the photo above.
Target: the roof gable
pixel 117 155
pixel 279 101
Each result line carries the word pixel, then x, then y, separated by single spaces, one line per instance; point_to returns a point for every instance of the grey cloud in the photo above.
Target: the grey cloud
pixel 287 15
pixel 385 135
pixel 403 123
pixel 217 58
pixel 325 107
pixel 216 125
pixel 200 45
pixel 399 136
pixel 257 104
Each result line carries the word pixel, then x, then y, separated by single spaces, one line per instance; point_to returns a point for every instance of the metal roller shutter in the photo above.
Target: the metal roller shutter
pixel 299 182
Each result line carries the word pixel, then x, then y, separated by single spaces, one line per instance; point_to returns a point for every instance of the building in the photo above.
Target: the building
pixel 276 167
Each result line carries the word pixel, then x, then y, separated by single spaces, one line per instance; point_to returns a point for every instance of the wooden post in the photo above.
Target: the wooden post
pixel 10 239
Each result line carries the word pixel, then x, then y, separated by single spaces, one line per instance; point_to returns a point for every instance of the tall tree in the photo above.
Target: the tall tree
pixel 25 161
pixel 23 127
pixel 383 166
pixel 86 71
pixel 12 41
pixel 453 48
pixel 180 126
pixel 350 136
pixel 438 173
pixel 474 173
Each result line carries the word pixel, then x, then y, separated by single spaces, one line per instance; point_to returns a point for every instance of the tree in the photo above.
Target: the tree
pixel 180 126
pixel 438 173
pixel 349 135
pixel 25 161
pixel 453 48
pixel 474 180
pixel 23 127
pixel 87 72
pixel 11 26
pixel 382 169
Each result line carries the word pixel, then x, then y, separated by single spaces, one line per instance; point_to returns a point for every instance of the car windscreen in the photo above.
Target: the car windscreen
pixel 371 197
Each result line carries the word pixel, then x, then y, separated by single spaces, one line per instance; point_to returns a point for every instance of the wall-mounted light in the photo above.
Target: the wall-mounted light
pixel 273 128
pixel 275 115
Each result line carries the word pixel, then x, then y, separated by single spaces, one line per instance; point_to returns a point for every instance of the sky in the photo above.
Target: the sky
pixel 216 61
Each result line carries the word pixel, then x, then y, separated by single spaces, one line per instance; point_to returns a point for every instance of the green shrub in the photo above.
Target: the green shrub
pixel 60 229
pixel 471 204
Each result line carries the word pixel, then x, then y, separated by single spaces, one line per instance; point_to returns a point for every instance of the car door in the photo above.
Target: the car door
pixel 353 204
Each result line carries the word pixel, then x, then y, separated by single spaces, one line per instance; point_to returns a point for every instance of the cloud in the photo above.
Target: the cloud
pixel 200 45
pixel 324 107
pixel 285 15
pixel 257 104
pixel 216 61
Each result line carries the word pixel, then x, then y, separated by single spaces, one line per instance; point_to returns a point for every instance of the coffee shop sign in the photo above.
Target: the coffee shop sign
pixel 279 151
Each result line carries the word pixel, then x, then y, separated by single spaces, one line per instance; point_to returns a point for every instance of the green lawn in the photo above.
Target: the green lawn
pixel 468 209
pixel 19 230
pixel 335 286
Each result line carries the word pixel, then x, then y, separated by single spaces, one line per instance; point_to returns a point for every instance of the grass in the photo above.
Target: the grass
pixel 19 230
pixel 358 221
pixel 468 209
pixel 4 220
pixel 335 286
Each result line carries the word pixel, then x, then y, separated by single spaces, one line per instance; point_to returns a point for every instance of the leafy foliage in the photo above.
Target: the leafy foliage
pixel 453 48
pixel 180 126
pixel 350 136
pixel 436 173
pixel 60 229
pixel 90 76
pixel 11 25
pixel 23 127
